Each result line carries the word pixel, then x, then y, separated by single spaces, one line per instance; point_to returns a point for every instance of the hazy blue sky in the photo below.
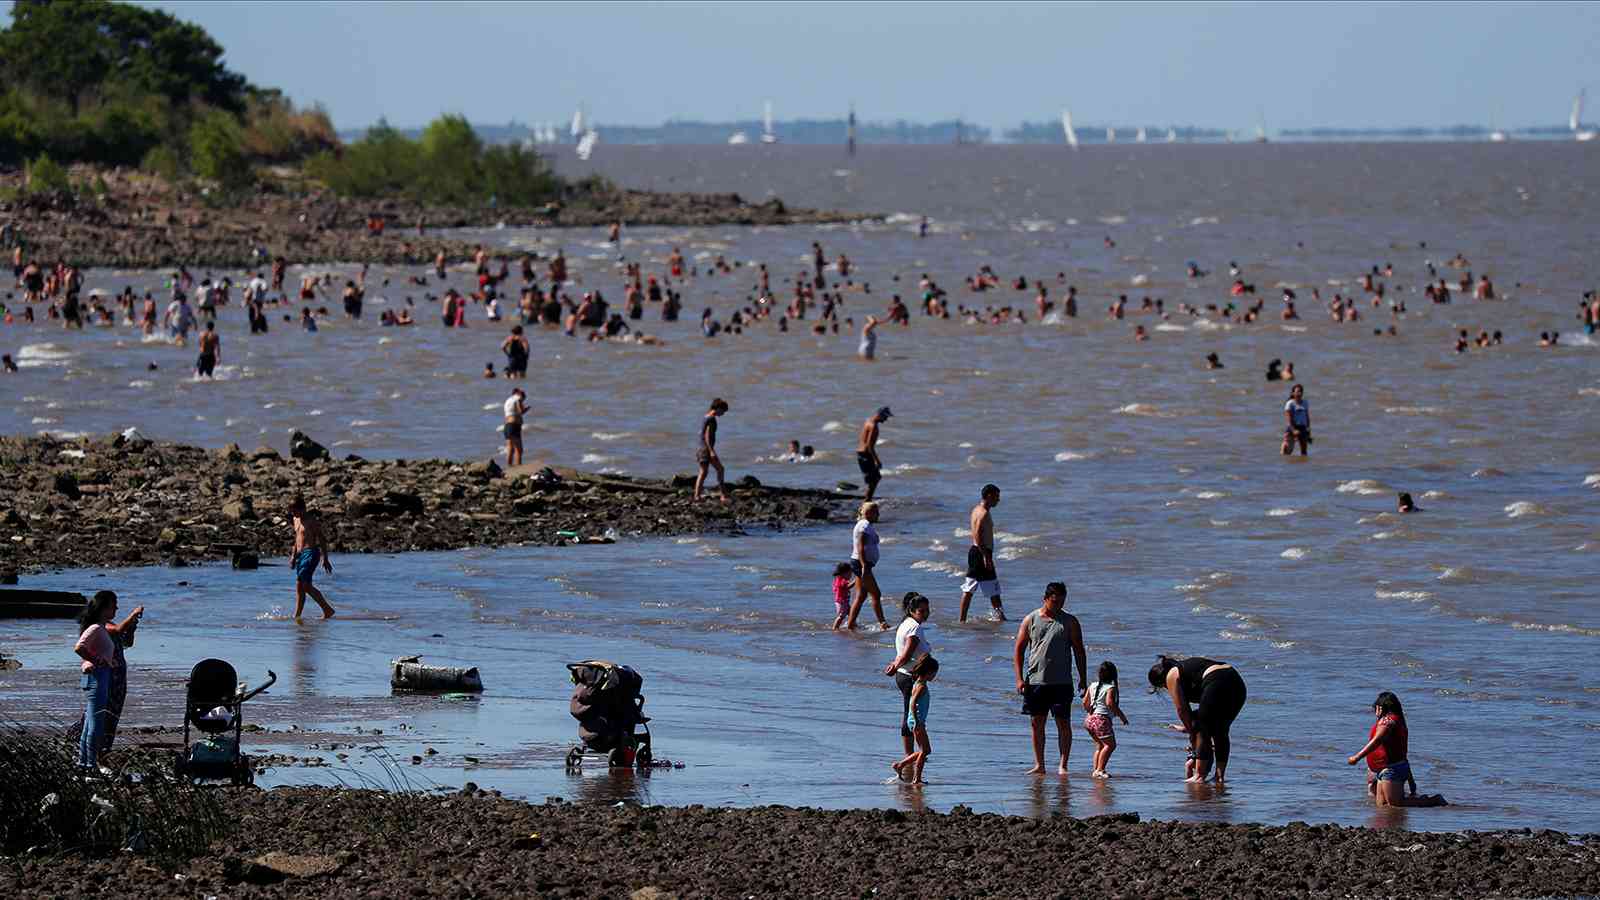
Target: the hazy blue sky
pixel 1302 64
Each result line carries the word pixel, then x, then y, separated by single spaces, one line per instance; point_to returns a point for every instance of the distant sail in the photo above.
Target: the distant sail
pixel 587 142
pixel 1066 127
pixel 1139 136
pixel 577 123
pixel 738 137
pixel 768 136
pixel 1575 121
pixel 1172 135
pixel 850 131
pixel 1111 135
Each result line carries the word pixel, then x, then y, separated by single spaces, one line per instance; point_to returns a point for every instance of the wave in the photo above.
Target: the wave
pixel 1412 410
pixel 1210 495
pixel 1073 456
pixel 1280 512
pixel 1144 409
pixel 1592 481
pixel 1524 508
pixel 1410 596
pixel 1295 553
pixel 935 565
pixel 832 426
pixel 1168 326
pixel 1364 486
pixel 610 435
pixel 594 459
pixel 33 356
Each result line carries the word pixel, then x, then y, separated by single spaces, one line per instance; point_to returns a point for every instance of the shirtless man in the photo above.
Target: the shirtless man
pixel 210 351
pixel 867 450
pixel 980 556
pixel 306 554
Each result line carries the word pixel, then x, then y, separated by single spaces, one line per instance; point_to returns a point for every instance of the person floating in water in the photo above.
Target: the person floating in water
pixel 306 554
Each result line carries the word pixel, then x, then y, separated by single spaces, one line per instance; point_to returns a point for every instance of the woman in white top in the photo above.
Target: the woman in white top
pixel 863 558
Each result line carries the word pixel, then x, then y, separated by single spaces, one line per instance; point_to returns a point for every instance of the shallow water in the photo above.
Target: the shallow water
pixel 1149 484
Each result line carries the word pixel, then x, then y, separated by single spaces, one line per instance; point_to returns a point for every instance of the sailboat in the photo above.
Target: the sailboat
pixel 1111 135
pixel 587 142
pixel 738 137
pixel 768 136
pixel 577 123
pixel 1066 127
pixel 1575 121
pixel 1172 135
pixel 1138 136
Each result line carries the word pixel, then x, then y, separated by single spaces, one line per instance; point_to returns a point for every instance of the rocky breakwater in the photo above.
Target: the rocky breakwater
pixel 125 501
pixel 135 220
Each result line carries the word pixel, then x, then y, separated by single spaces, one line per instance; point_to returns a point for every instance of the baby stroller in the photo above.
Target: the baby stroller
pixel 609 709
pixel 214 704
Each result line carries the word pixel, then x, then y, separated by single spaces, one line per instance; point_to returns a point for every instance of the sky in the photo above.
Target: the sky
pixel 1221 65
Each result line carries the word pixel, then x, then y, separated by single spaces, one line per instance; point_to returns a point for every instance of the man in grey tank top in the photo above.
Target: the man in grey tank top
pixel 1048 641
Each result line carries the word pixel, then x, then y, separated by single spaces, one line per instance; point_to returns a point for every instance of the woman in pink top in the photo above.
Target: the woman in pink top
pixel 97 648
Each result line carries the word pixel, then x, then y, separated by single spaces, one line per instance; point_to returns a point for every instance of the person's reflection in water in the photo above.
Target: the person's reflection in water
pixel 1387 817
pixel 1048 796
pixel 304 664
pixel 1212 799
pixel 1102 797
pixel 911 798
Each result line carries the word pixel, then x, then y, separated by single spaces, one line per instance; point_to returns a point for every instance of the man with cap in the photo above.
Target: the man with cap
pixel 867 450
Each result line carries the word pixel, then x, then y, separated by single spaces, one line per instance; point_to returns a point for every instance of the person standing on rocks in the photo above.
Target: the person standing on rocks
pixel 306 554
pixel 867 451
pixel 210 352
pixel 980 556
pixel 515 409
pixel 1048 642
pixel 706 454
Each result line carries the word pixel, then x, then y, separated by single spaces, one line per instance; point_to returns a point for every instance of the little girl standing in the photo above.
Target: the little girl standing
pixel 843 584
pixel 925 669
pixel 1101 700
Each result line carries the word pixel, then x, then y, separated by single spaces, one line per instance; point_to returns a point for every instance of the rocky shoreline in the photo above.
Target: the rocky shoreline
pixel 127 501
pixel 141 222
pixel 335 842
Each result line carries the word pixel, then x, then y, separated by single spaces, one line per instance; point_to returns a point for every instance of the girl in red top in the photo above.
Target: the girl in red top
pixel 1386 756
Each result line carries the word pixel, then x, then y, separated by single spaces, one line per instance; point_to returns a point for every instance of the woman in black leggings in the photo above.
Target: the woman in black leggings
pixel 1217 693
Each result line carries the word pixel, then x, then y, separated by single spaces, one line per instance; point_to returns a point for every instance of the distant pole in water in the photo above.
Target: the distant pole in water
pixel 850 131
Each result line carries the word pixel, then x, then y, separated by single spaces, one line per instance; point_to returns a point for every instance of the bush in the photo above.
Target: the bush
pixel 216 150
pixel 46 176
pixel 162 161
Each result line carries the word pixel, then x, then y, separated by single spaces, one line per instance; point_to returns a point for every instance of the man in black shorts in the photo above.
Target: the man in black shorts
pixel 980 556
pixel 867 451
pixel 1048 642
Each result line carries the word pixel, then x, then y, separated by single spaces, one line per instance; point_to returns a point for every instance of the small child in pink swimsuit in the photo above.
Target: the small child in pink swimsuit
pixel 843 584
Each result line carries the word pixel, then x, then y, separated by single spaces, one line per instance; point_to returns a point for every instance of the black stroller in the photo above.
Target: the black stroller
pixel 214 704
pixel 610 710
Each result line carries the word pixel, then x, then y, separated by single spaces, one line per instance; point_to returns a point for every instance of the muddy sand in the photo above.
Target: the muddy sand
pixel 105 502
pixel 298 842
pixel 142 222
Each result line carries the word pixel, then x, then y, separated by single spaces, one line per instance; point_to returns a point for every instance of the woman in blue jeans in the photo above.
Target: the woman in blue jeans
pixel 97 647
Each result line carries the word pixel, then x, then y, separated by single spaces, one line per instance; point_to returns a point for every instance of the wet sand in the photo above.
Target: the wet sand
pixel 120 502
pixel 328 842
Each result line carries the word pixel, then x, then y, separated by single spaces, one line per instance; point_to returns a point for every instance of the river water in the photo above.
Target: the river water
pixel 1149 484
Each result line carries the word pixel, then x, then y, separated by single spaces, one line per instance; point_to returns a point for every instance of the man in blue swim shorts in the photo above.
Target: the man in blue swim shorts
pixel 306 554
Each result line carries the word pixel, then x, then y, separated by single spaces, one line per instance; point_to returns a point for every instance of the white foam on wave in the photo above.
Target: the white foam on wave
pixel 1168 326
pixel 1589 392
pixel 1592 481
pixel 141 383
pixel 1384 535
pixel 1009 553
pixel 491 406
pixel 33 356
pixel 1295 553
pixel 1143 409
pixel 1365 486
pixel 1281 511
pixel 1412 410
pixel 832 426
pixel 45 420
pixel 1410 596
pixel 1113 220
pixel 1008 537
pixel 315 412
pixel 938 546
pixel 935 565
pixel 1073 455
pixel 1434 495
pixel 610 435
pixel 1524 508
pixel 594 459
pixel 1139 280
pixel 1204 220
pixel 362 423
pixel 1210 495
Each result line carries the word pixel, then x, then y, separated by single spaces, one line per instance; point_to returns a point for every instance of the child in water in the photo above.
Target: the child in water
pixel 1386 753
pixel 843 585
pixel 925 669
pixel 1102 702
